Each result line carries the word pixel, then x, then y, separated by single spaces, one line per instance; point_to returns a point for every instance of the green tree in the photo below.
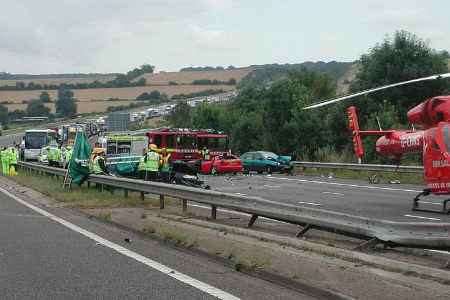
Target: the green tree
pixel 45 97
pixel 208 116
pixel 36 108
pixel 181 116
pixel 65 104
pixel 155 95
pixel 4 114
pixel 402 57
pixel 16 114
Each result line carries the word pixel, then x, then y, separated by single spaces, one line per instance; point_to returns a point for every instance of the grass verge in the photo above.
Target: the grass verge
pixel 81 196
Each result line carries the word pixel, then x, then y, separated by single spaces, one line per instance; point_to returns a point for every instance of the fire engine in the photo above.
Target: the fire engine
pixel 186 144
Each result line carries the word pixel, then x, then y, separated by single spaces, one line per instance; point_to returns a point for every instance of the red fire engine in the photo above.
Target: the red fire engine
pixel 186 144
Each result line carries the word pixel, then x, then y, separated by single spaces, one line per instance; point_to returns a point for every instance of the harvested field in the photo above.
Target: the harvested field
pixel 57 81
pixel 82 107
pixel 128 93
pixel 163 78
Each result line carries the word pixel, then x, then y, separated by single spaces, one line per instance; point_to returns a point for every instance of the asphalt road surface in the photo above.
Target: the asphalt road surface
pixel 51 253
pixel 381 201
pixel 9 140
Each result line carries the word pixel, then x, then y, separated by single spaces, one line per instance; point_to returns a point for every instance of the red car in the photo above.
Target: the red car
pixel 221 164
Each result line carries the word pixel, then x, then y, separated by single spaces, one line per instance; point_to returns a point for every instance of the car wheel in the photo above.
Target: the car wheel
pixel 245 171
pixel 269 170
pixel 213 171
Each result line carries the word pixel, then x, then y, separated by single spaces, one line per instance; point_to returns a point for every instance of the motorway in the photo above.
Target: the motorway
pixel 52 253
pixel 357 197
pixel 9 140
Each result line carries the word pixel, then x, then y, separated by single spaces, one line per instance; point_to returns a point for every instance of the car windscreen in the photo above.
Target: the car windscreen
pixel 269 155
pixel 35 140
pixel 213 143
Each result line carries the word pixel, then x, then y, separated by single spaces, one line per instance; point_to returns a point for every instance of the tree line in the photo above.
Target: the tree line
pixel 121 80
pixel 270 116
pixel 65 106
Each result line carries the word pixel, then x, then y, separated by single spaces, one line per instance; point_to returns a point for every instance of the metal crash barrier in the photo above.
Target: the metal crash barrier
pixel 408 234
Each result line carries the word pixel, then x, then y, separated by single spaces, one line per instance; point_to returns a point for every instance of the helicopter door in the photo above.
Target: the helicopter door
pixel 443 139
pixel 436 158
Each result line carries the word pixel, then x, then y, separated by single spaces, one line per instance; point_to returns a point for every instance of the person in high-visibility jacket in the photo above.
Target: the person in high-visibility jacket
pixel 54 156
pixel 68 156
pixel 164 164
pixel 97 164
pixel 205 153
pixel 13 157
pixel 141 165
pixel 151 163
pixel 5 161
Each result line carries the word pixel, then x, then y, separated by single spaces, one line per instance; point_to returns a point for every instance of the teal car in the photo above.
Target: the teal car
pixel 263 161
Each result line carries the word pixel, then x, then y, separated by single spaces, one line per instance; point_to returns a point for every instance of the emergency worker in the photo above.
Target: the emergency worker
pixel 67 155
pixel 54 155
pixel 97 164
pixel 141 165
pixel 13 157
pixel 151 163
pixel 205 153
pixel 164 164
pixel 5 161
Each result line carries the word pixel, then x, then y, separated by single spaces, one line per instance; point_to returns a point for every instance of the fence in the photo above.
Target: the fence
pixel 409 234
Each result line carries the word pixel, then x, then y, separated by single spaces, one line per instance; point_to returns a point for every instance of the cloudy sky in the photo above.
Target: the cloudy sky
pixel 68 36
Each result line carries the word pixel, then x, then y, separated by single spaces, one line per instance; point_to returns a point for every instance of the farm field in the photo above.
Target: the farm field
pixel 186 77
pixel 82 107
pixel 128 93
pixel 57 81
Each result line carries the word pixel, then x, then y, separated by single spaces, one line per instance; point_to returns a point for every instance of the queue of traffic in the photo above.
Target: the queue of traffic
pixel 166 155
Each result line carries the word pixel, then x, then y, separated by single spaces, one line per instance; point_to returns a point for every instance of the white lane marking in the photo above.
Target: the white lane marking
pixel 309 203
pixel 438 251
pixel 240 194
pixel 204 287
pixel 272 186
pixel 233 212
pixel 332 193
pixel 349 185
pixel 420 217
pixel 427 202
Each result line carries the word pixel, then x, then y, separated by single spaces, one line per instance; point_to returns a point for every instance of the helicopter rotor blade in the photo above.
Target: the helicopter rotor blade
pixel 369 91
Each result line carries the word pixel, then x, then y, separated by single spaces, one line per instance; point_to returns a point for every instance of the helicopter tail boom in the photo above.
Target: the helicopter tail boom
pixel 353 125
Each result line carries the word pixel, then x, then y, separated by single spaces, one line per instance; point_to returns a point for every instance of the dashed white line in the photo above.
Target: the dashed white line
pixel 424 218
pixel 348 185
pixel 427 202
pixel 271 186
pixel 204 287
pixel 240 194
pixel 309 203
pixel 333 193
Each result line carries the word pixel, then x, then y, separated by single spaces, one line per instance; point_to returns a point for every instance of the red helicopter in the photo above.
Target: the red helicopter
pixel 433 140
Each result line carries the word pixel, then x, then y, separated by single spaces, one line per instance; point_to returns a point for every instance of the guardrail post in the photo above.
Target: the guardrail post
pixel 88 184
pixel 161 202
pixel 304 230
pixel 213 212
pixel 184 202
pixel 142 196
pixel 125 193
pixel 252 220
